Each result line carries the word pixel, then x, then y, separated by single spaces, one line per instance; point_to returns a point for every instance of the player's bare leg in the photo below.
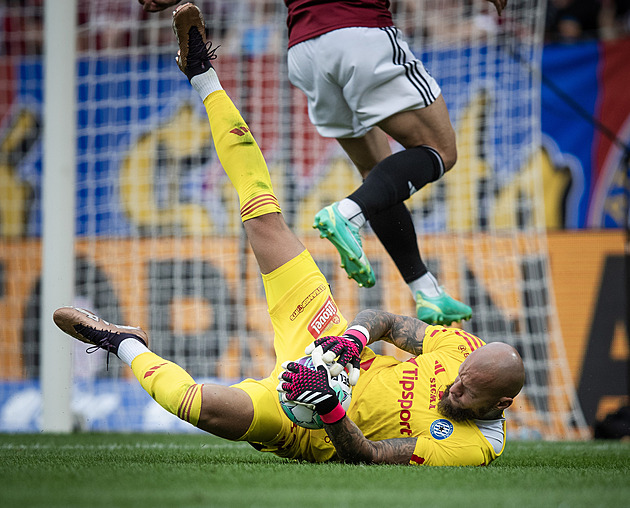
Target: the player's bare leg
pixel 367 151
pixel 430 126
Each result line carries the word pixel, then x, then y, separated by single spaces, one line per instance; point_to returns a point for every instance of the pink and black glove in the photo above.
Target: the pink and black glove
pixel 347 349
pixel 311 387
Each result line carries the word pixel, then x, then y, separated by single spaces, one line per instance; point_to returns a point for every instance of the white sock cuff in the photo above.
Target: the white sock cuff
pixel 428 284
pixel 206 83
pixel 129 349
pixel 351 211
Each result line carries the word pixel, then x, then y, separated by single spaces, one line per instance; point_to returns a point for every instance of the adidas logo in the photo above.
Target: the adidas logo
pixel 240 131
pixel 152 370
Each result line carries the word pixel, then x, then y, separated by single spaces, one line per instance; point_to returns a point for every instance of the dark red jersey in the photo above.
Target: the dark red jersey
pixel 309 18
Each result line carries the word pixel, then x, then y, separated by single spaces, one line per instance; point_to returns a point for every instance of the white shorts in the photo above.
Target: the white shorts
pixel 355 77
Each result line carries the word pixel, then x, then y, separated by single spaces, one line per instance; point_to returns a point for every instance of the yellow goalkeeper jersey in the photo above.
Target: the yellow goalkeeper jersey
pixel 399 399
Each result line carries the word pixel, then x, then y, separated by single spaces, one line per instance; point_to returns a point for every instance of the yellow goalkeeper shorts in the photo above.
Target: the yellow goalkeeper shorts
pixel 302 309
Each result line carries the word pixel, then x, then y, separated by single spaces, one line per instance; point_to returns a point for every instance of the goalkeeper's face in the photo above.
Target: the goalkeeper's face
pixel 488 380
pixel 455 409
pixel 471 395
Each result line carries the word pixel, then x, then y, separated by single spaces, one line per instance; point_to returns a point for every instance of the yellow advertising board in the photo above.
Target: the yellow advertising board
pixel 587 272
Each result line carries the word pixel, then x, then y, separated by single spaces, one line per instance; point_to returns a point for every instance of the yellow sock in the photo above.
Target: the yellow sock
pixel 170 386
pixel 240 157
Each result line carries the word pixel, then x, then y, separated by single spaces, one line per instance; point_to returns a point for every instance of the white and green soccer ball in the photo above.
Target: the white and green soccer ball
pixel 305 416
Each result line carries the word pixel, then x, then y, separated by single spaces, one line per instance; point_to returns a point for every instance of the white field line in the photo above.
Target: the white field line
pixel 137 446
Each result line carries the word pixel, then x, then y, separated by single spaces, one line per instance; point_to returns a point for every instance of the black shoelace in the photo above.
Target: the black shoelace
pixel 198 52
pixel 101 343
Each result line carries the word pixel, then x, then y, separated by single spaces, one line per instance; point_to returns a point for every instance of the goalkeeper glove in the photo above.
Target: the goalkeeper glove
pixel 312 388
pixel 347 349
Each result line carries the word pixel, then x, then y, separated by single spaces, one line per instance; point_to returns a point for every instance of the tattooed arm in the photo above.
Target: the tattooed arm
pixel 353 446
pixel 407 334
pixel 404 332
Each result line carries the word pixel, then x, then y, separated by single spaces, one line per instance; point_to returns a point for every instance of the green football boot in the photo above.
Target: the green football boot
pixel 441 309
pixel 345 237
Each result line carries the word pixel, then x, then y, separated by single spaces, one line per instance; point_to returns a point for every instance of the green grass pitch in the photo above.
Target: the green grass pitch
pixel 149 470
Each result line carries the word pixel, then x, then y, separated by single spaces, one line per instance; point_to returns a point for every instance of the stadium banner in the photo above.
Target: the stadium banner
pixel 123 117
pixel 587 273
pixel 585 87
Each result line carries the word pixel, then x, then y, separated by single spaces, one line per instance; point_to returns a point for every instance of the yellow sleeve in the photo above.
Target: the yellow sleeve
pixel 429 452
pixel 440 338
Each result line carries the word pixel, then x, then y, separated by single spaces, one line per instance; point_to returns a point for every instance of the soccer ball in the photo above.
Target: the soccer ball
pixel 308 418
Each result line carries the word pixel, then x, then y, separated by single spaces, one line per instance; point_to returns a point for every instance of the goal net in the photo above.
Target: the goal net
pixel 159 242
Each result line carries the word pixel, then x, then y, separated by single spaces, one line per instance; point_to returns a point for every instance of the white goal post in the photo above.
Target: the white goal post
pixel 58 209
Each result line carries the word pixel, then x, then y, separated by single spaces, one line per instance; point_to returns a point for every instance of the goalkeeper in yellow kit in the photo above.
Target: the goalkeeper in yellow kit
pixel 442 407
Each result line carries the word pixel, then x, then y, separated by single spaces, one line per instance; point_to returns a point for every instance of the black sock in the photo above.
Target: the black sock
pixel 395 230
pixel 396 178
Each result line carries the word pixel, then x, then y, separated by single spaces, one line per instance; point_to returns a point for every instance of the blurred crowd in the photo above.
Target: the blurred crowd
pixel 243 26
pixel 258 26
pixel 571 20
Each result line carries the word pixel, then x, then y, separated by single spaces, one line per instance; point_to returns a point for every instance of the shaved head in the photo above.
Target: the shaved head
pixel 500 368
pixel 487 383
